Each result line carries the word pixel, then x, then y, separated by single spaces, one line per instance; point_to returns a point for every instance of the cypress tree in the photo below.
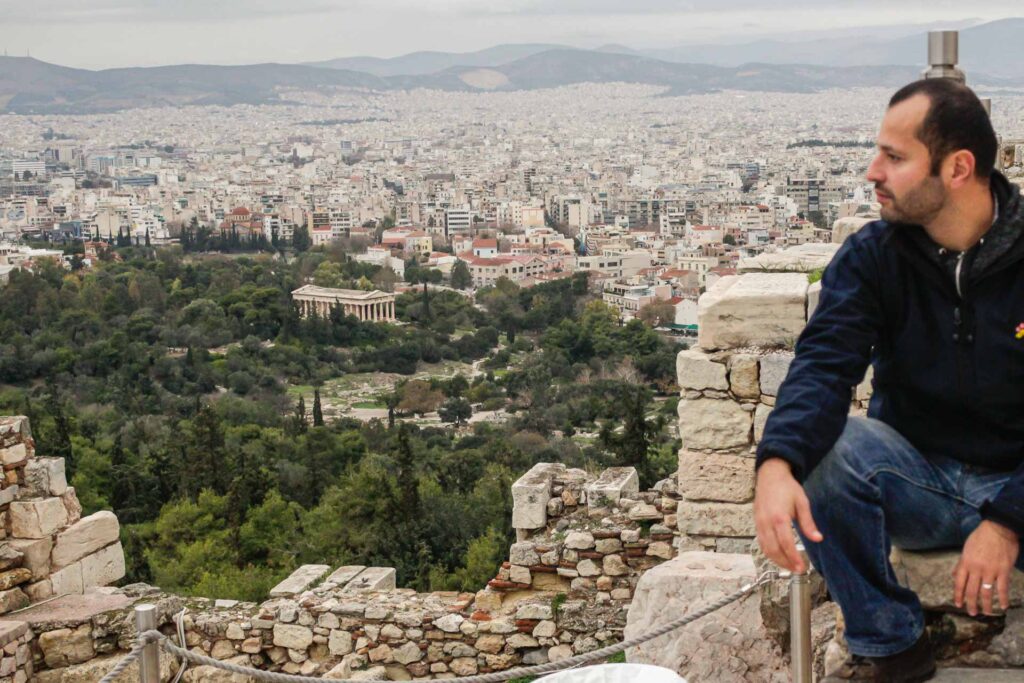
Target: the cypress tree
pixel 318 413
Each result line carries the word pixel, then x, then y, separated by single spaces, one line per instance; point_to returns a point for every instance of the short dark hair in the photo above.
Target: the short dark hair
pixel 956 120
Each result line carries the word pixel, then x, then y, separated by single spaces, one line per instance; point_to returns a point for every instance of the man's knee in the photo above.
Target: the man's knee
pixel 862 447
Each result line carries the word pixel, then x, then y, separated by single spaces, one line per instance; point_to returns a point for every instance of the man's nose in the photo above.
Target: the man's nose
pixel 874 173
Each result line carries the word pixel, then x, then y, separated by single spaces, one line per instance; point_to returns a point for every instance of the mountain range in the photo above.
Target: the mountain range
pixel 989 53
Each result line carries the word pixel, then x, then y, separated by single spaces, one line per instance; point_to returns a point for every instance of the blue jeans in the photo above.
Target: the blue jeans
pixel 874 489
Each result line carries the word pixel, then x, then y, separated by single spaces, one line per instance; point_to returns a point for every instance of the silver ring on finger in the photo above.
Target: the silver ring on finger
pixel 986 586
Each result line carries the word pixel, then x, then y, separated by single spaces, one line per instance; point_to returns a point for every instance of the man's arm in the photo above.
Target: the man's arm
pixel 832 355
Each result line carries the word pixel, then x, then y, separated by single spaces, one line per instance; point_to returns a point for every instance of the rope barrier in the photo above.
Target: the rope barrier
pixel 496 677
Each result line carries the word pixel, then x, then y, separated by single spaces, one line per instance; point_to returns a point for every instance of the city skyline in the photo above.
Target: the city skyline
pixel 122 33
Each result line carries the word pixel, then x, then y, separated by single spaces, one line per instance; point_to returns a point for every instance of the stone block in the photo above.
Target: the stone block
pixel 9 494
pixel 756 309
pixel 12 599
pixel 696 370
pixel 45 477
pixel 40 590
pixel 724 478
pixel 35 555
pixel 774 367
pixel 103 567
pixel 14 577
pixel 36 518
pixel 14 455
pixel 68 580
pixel 530 496
pixel 761 414
pixel 299 580
pixel 71 504
pixel 523 554
pixel 372 579
pixel 716 519
pixel 844 227
pixel 713 424
pixel 10 557
pixel 813 296
pixel 10 631
pixel 292 636
pixel 930 575
pixel 727 646
pixel 743 376
pixel 342 575
pixel 612 485
pixel 66 646
pixel 803 258
pixel 85 537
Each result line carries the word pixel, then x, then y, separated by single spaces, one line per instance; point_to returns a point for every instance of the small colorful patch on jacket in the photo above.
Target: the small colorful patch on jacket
pixel 1020 331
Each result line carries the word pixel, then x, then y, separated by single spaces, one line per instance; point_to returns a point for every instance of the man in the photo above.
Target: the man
pixel 932 296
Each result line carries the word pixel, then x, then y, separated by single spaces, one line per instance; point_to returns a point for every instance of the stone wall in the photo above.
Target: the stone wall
pixel 46 547
pixel 584 541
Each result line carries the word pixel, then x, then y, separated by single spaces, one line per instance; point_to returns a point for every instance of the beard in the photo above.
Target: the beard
pixel 918 205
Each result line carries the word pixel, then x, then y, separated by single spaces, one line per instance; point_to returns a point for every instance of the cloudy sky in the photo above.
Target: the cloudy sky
pixel 110 33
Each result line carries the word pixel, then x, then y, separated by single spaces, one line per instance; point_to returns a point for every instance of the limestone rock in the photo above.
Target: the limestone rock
pixel 774 367
pixel 65 646
pixel 299 580
pixel 696 370
pixel 36 555
pixel 292 636
pixel 579 540
pixel 713 424
pixel 613 484
pixel 813 297
pixel 802 258
pixel 929 574
pixel 743 377
pixel 844 227
pixel 103 567
pixel 728 646
pixel 724 478
pixel 523 554
pixel 85 537
pixel 717 519
pixel 761 414
pixel 339 642
pixel 44 477
pixel 530 496
pixel 37 518
pixel 755 309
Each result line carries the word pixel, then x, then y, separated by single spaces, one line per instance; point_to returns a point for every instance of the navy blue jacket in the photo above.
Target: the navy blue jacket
pixel 948 365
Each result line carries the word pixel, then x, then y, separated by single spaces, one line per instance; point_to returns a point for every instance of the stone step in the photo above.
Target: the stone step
pixel 980 675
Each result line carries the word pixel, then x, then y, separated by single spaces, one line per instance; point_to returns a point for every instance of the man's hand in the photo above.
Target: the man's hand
pixel 780 499
pixel 985 567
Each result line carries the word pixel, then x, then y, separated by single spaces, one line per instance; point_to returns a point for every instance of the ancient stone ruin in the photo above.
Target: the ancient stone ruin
pixel 596 559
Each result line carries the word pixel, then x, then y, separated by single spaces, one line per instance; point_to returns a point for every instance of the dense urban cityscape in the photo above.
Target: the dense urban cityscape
pixel 425 342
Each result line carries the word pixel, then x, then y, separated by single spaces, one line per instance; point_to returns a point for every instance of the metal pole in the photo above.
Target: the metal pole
pixel 149 663
pixel 943 55
pixel 800 625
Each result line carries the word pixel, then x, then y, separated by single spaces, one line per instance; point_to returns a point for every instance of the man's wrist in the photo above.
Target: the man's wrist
pixel 1001 529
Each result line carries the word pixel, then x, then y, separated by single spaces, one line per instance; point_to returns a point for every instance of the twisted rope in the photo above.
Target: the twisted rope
pixel 496 677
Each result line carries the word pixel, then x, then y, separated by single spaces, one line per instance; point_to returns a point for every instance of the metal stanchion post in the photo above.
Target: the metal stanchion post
pixel 149 664
pixel 800 624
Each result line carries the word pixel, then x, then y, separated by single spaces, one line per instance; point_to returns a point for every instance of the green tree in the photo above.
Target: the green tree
pixel 318 413
pixel 461 277
pixel 455 410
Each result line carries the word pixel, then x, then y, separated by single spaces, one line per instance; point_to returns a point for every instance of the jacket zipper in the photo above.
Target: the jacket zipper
pixel 956 277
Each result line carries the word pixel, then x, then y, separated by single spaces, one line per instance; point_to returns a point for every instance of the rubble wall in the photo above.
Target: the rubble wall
pixel 46 547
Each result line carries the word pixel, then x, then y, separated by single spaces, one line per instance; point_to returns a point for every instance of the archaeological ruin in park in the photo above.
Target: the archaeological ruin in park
pixel 595 560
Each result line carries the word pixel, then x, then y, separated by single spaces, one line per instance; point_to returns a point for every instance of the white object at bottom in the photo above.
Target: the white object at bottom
pixel 616 673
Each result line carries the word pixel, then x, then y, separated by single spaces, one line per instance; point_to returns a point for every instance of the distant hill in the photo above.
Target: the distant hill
pixel 424 63
pixel 994 48
pixel 29 85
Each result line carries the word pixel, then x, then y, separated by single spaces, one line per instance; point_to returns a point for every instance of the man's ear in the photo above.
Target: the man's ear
pixel 958 168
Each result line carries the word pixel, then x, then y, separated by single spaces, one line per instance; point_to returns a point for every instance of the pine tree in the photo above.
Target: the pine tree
pixel 318 414
pixel 147 236
pixel 299 419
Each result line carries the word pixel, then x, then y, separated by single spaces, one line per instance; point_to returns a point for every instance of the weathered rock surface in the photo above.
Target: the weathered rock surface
pixel 85 537
pixel 728 646
pixel 755 309
pixel 713 424
pixel 724 478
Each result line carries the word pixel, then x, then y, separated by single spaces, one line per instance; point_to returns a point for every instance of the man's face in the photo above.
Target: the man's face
pixel 901 171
